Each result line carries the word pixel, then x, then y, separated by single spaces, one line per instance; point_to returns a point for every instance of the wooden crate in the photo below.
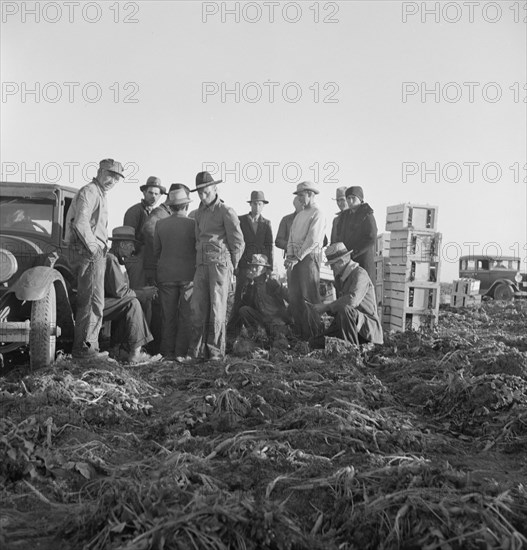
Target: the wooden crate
pixel 382 246
pixel 466 285
pixel 382 268
pixel 465 300
pixel 412 296
pixel 410 244
pixel 411 271
pixel 411 216
pixel 403 321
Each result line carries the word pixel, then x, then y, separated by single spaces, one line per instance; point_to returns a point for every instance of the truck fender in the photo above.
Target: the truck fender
pixel 501 282
pixel 35 283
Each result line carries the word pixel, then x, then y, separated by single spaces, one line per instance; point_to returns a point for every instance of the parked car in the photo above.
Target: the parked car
pixel 499 276
pixel 37 293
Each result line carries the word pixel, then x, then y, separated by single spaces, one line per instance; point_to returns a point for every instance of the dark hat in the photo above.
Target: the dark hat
pixel 259 259
pixel 177 197
pixel 258 196
pixel 335 252
pixel 152 181
pixel 123 233
pixel 204 179
pixel 355 190
pixel 174 186
pixel 306 186
pixel 112 166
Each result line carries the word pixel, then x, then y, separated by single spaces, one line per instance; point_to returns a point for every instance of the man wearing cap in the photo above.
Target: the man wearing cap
pixel 258 237
pixel 175 258
pixel 136 217
pixel 87 232
pixel 303 260
pixel 263 301
pixel 219 247
pixel 355 309
pixel 357 229
pixel 122 305
pixel 343 205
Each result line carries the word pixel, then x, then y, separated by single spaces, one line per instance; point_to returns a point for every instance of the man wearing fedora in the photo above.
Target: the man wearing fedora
pixel 258 237
pixel 357 229
pixel 122 305
pixel 136 217
pixel 303 260
pixel 343 205
pixel 87 232
pixel 219 247
pixel 263 301
pixel 355 309
pixel 175 258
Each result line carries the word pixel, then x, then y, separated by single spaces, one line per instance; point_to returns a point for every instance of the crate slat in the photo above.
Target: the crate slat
pixel 408 215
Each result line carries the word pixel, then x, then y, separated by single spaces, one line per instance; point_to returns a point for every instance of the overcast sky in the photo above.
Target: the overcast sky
pixel 421 102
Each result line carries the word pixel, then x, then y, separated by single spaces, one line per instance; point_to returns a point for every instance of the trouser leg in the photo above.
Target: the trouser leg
pixel 183 333
pixel 219 278
pixel 199 309
pixel 168 297
pixel 129 327
pixel 346 325
pixel 305 279
pixel 90 301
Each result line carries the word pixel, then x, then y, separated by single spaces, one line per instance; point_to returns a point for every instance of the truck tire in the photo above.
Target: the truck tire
pixel 42 337
pixel 503 292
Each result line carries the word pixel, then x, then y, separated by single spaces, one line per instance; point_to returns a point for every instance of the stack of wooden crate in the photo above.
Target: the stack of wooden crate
pixel 465 293
pixel 412 288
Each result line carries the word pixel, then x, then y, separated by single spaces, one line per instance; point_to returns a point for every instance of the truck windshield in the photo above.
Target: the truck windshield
pixel 27 215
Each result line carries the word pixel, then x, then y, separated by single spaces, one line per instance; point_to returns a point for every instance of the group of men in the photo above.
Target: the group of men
pixel 167 275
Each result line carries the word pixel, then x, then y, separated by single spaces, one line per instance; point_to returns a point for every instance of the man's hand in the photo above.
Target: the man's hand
pixel 150 292
pixel 290 263
pixel 319 308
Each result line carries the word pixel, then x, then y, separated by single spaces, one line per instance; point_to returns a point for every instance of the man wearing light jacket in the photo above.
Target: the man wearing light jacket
pixel 303 261
pixel 87 232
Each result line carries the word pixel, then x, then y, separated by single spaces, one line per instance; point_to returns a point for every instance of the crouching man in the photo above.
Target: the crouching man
pixel 122 305
pixel 263 301
pixel 355 309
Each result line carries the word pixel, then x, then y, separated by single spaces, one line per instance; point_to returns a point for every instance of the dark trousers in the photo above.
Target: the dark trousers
pixel 304 283
pixel 344 326
pixel 209 310
pixel 241 280
pixel 89 271
pixel 252 318
pixel 175 317
pixel 129 327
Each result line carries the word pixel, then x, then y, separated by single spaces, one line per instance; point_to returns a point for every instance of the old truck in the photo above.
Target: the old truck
pixel 37 293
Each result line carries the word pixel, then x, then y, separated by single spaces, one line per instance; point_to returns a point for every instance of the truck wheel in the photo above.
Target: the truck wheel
pixel 503 292
pixel 42 338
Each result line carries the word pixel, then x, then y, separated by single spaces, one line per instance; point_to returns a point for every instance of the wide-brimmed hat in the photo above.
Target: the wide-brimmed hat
pixel 258 196
pixel 177 196
pixel 112 166
pixel 152 181
pixel 355 190
pixel 306 186
pixel 341 193
pixel 123 233
pixel 174 186
pixel 335 252
pixel 259 259
pixel 204 179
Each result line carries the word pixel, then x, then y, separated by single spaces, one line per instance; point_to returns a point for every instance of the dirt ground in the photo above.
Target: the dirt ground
pixel 418 443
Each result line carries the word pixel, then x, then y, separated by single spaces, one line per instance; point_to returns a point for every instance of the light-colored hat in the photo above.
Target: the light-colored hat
pixel 177 197
pixel 341 193
pixel 306 186
pixel 123 233
pixel 259 259
pixel 335 252
pixel 258 196
pixel 112 166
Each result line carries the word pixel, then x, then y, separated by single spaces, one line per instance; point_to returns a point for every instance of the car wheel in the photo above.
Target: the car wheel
pixel 503 292
pixel 42 338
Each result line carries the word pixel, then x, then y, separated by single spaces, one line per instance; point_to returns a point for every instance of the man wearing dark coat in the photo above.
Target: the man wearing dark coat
pixel 122 305
pixel 263 300
pixel 284 228
pixel 136 217
pixel 357 229
pixel 258 238
pixel 355 310
pixel 175 258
